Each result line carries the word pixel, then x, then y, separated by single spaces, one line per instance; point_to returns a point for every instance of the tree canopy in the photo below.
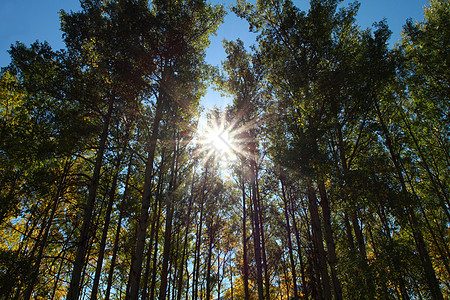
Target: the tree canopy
pixel 326 177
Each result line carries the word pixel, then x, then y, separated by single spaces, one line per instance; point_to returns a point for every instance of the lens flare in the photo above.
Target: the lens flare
pixel 219 139
pixel 224 140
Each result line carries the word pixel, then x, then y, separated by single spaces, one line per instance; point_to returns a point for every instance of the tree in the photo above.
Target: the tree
pixel 243 80
pixel 325 178
pixel 37 139
pixel 117 70
pixel 178 51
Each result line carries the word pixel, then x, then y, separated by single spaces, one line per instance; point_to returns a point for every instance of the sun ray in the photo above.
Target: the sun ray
pixel 226 140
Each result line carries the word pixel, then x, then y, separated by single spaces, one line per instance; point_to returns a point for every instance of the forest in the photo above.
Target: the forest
pixel 326 177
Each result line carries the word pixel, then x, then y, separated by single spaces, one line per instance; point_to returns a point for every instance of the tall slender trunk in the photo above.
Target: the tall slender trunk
pixel 118 228
pixel 187 283
pixel 432 281
pixel 197 255
pixel 55 285
pixel 365 272
pixel 43 242
pixel 168 227
pixel 439 189
pixel 256 224
pixel 231 282
pixel 263 240
pixel 317 238
pixel 82 246
pixel 299 247
pixel 148 261
pixel 362 256
pixel 331 248
pixel 107 221
pixel 97 213
pixel 188 225
pixel 138 257
pixel 208 265
pixel 219 283
pixel 442 254
pixel 257 244
pixel 244 243
pixel 154 228
pixel 196 270
pixel 354 255
pixel 286 276
pixel 291 252
pixel 348 231
pixel 155 242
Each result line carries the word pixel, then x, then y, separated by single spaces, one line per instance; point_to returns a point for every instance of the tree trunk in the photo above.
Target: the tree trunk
pixel 107 221
pixel 317 239
pixel 197 255
pixel 157 209
pixel 186 236
pixel 154 229
pixel 82 246
pixel 138 257
pixel 155 241
pixel 55 285
pixel 291 252
pixel 432 281
pixel 435 181
pixel 196 270
pixel 118 228
pixel 331 248
pixel 244 243
pixel 300 254
pixel 43 242
pixel 219 283
pixel 168 227
pixel 263 241
pixel 443 254
pixel 257 229
pixel 231 282
pixel 208 266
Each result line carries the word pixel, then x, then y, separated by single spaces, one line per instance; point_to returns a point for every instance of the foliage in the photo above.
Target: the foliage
pixel 332 183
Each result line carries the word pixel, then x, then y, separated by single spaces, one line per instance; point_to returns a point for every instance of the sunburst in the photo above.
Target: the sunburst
pixel 220 139
pixel 224 140
pixel 217 141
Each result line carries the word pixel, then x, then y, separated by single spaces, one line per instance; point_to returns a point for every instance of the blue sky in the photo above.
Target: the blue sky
pixel 30 20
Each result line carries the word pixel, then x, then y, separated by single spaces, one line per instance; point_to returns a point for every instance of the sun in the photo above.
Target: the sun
pixel 218 142
pixel 222 140
pixel 219 139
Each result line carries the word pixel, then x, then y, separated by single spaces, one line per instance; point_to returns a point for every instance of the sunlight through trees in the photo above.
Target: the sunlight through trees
pixel 326 177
